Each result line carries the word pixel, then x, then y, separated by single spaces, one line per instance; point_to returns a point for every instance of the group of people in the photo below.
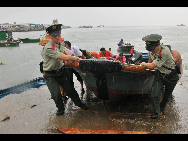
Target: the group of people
pixel 57 53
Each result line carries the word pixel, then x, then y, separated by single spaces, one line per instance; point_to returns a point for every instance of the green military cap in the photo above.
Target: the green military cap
pixel 54 30
pixel 152 41
pixel 152 37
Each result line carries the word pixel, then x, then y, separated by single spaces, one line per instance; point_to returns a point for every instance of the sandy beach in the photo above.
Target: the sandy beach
pixel 33 112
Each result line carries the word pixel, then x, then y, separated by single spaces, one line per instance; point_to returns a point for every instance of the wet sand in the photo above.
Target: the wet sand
pixel 33 112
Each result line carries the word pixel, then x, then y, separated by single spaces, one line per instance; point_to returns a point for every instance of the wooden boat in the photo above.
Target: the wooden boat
pixel 29 40
pixel 112 81
pixel 125 48
pixel 9 44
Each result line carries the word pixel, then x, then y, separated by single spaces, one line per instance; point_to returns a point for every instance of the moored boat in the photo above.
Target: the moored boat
pixel 6 39
pixel 181 25
pixel 125 48
pixel 29 40
pixel 9 44
pixel 85 27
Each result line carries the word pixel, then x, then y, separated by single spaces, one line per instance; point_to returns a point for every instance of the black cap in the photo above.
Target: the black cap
pixel 54 30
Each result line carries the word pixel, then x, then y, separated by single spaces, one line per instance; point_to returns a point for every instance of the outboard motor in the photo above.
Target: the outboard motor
pixel 99 68
pixel 137 56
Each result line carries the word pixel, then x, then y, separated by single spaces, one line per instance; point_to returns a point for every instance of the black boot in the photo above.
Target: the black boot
pixel 83 107
pixel 60 112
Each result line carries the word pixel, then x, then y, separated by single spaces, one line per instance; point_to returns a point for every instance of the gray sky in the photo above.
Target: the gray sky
pixel 94 16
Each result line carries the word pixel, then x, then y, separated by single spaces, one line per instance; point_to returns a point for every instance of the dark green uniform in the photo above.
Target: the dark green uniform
pixel 165 75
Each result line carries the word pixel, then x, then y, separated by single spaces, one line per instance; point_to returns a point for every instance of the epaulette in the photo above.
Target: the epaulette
pixel 53 46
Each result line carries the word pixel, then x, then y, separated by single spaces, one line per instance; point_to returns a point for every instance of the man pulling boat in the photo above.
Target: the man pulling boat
pixel 55 73
pixel 166 75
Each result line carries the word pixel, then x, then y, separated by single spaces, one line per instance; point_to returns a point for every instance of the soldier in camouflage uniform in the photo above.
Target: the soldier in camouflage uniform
pixel 166 75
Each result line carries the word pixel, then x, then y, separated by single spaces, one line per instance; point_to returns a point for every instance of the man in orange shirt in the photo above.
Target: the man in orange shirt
pixel 105 53
pixel 96 55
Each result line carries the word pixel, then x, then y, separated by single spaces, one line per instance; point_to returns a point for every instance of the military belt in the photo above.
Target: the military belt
pixel 56 71
pixel 170 74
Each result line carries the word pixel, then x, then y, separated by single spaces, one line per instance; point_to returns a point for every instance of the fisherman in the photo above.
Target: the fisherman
pixel 121 58
pixel 132 51
pixel 87 54
pixel 177 58
pixel 120 42
pixel 166 75
pixel 105 53
pixel 96 55
pixel 55 74
pixel 75 50
pixel 70 71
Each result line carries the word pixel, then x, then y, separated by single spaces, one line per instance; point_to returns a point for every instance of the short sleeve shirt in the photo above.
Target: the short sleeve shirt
pixel 76 51
pixel 165 59
pixel 51 53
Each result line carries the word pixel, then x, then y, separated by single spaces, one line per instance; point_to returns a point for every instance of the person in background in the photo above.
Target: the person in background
pixel 132 51
pixel 121 43
pixel 75 50
pixel 105 53
pixel 70 71
pixel 120 58
pixel 87 54
pixel 177 58
pixel 96 55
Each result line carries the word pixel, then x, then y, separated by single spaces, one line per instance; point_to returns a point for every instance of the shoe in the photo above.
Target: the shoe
pixel 154 116
pixel 60 112
pixel 84 107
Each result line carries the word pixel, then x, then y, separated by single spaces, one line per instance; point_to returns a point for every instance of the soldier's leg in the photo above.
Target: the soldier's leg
pixel 69 88
pixel 170 84
pixel 54 89
pixel 156 93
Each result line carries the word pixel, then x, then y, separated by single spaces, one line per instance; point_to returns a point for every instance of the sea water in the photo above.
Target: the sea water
pixel 22 63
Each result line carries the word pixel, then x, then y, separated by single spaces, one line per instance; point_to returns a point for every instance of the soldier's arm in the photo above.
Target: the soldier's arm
pixel 149 65
pixel 150 60
pixel 68 57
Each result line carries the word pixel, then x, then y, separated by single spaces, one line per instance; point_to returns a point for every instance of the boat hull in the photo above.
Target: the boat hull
pixel 9 44
pixel 124 49
pixel 27 40
pixel 121 83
